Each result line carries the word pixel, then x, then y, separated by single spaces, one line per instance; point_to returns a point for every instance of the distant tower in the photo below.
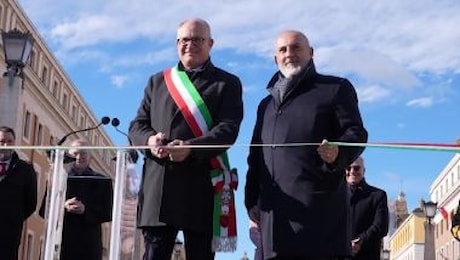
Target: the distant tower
pixel 401 208
pixel 392 225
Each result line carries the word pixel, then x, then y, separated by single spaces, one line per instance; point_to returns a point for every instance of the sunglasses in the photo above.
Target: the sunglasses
pixel 354 167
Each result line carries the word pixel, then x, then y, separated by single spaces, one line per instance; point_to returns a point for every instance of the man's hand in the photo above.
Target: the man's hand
pixel 355 245
pixel 75 206
pixel 176 152
pixel 327 152
pixel 157 144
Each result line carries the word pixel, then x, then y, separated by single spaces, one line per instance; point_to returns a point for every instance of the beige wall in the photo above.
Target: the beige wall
pixel 56 107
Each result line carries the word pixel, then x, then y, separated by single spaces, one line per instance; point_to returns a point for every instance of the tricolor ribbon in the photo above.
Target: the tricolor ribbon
pixel 199 119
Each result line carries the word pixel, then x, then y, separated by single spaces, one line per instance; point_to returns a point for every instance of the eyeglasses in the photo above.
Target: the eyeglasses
pixel 354 167
pixel 193 40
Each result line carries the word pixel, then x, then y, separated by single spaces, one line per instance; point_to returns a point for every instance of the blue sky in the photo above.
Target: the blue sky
pixel 401 56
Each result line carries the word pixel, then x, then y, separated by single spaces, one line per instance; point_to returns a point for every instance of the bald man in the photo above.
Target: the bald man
pixel 369 213
pixel 88 204
pixel 296 194
pixel 193 103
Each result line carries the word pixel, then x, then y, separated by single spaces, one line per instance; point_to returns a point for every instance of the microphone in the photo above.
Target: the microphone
pixel 133 153
pixel 104 120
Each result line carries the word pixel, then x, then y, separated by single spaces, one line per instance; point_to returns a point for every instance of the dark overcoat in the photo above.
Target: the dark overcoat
pixel 18 200
pixel 180 194
pixel 304 202
pixel 369 220
pixel 81 233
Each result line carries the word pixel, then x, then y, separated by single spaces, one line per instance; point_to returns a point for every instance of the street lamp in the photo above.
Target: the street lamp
pixel 16 47
pixel 429 208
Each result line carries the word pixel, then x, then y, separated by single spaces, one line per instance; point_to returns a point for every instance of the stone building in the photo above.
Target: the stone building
pixel 42 107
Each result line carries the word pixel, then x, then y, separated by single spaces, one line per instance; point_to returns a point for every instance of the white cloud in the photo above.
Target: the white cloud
pixel 388 44
pixel 370 65
pixel 421 102
pixel 118 80
pixel 372 94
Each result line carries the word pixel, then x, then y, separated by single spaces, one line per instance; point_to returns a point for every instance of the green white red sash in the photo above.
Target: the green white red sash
pixel 224 180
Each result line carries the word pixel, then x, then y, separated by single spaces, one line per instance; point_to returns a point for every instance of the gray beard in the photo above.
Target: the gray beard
pixel 290 71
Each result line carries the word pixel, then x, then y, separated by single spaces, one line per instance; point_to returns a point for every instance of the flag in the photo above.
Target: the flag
pixel 444 213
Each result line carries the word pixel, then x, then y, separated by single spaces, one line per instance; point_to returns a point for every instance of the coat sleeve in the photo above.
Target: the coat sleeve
pixel 349 124
pixel 255 164
pixel 31 192
pixel 379 227
pixel 140 129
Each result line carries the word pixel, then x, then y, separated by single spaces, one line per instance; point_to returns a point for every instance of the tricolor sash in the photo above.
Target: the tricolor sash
pixel 224 180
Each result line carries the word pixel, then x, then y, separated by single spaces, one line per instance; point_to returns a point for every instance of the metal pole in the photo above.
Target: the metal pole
pixel 429 250
pixel 120 177
pixel 55 208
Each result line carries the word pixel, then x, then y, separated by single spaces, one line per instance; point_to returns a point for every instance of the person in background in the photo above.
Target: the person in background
pixel 369 213
pixel 18 195
pixel 85 212
pixel 455 229
pixel 296 193
pixel 193 103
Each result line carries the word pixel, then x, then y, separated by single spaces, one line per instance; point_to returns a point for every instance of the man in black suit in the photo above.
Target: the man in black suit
pixel 18 195
pixel 88 204
pixel 296 192
pixel 369 213
pixel 193 103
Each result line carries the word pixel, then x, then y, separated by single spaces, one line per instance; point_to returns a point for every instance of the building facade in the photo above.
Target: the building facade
pixel 407 241
pixel 445 190
pixel 41 108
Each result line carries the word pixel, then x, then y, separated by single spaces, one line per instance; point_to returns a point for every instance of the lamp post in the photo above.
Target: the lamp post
pixel 16 47
pixel 429 208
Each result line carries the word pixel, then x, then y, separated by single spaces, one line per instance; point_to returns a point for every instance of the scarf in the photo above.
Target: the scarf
pixel 224 180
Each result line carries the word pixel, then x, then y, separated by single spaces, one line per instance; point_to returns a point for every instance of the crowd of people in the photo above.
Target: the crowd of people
pixel 303 202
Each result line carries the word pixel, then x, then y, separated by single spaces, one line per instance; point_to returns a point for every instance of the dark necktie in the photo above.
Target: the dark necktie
pixel 2 169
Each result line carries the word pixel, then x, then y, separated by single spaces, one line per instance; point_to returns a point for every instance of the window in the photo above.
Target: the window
pixel 74 113
pixel 2 16
pixel 31 60
pixel 65 101
pixel 39 140
pixel 26 127
pixel 45 75
pixel 55 89
pixel 82 121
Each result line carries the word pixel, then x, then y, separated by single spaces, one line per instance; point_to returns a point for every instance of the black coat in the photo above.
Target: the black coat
pixel 81 233
pixel 181 193
pixel 18 200
pixel 369 219
pixel 303 201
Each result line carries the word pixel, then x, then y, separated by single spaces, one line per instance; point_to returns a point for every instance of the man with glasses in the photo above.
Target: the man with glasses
pixel 369 213
pixel 182 188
